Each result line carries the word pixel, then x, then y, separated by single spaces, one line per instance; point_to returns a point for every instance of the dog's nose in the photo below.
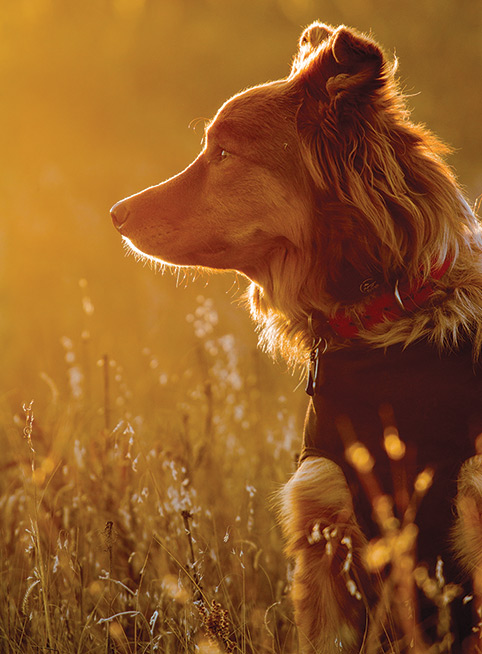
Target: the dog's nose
pixel 119 213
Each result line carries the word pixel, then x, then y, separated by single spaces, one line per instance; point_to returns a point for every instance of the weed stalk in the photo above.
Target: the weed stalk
pixel 105 360
pixel 197 596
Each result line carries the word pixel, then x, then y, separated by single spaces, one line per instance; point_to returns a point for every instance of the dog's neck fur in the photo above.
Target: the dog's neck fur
pixel 453 312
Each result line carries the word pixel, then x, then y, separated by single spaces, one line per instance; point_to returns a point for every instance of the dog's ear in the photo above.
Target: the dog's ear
pixel 309 41
pixel 360 63
pixel 339 64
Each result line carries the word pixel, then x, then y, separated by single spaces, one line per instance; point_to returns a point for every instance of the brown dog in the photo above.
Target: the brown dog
pixel 365 259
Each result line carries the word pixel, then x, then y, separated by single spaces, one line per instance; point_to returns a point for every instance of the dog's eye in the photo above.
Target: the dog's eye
pixel 219 155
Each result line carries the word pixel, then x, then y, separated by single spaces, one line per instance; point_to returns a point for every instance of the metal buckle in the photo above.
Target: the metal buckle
pixel 314 362
pixel 398 298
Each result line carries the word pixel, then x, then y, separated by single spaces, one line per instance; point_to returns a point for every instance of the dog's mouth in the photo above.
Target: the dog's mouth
pixel 166 244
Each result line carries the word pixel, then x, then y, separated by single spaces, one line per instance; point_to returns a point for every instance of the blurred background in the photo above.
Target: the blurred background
pixel 101 98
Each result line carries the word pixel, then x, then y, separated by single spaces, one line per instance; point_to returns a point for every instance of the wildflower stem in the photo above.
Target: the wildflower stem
pixel 187 516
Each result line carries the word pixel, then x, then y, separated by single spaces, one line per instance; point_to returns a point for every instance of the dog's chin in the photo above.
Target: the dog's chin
pixel 140 254
pixel 212 260
pixel 251 261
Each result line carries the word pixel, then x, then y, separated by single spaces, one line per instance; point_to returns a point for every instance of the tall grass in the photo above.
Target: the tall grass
pixel 146 531
pixel 137 520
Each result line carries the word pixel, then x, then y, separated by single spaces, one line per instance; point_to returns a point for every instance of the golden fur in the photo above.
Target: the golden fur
pixel 309 185
pixel 314 525
pixel 468 525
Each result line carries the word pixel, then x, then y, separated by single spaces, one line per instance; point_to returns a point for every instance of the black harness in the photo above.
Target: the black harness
pixel 434 401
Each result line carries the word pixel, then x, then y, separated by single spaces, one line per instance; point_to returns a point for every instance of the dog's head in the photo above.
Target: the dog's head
pixel 307 185
pixel 239 202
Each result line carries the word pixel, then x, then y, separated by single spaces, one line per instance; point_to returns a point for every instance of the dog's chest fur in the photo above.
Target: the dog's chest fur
pixel 436 400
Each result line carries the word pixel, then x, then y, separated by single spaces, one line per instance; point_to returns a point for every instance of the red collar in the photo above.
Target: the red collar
pixel 390 305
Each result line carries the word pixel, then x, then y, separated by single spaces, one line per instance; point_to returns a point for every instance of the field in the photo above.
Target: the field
pixel 137 527
pixel 144 435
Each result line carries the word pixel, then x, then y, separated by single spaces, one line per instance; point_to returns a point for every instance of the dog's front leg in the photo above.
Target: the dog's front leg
pixel 325 541
pixel 468 526
pixel 468 531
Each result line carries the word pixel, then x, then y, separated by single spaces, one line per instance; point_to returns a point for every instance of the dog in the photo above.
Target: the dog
pixel 365 264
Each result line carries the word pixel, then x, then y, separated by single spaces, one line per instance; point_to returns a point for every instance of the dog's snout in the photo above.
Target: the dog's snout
pixel 119 213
